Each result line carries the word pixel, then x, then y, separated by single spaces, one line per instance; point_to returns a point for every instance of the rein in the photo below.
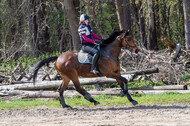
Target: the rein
pixel 120 39
pixel 128 45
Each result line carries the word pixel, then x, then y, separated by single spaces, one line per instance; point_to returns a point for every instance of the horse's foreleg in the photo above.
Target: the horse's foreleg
pixel 62 88
pixel 82 91
pixel 124 85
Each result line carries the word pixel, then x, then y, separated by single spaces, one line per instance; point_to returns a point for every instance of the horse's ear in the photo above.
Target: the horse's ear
pixel 127 32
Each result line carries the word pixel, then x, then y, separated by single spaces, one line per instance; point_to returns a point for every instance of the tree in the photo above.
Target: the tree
pixel 152 37
pixel 32 26
pixel 123 14
pixel 91 8
pixel 119 10
pixel 126 15
pixel 43 30
pixel 186 8
pixel 164 21
pixel 141 21
pixel 73 23
pixel 39 31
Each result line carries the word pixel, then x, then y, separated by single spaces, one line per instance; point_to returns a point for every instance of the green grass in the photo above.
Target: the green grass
pixel 28 103
pixel 165 98
pixel 185 77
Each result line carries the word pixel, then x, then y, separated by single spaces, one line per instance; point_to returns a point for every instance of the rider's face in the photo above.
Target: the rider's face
pixel 86 21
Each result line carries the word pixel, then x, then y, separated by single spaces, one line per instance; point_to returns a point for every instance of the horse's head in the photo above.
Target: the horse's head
pixel 128 42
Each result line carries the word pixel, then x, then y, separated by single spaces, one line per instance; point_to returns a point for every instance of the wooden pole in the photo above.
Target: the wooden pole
pixel 84 81
pixel 168 87
pixel 70 93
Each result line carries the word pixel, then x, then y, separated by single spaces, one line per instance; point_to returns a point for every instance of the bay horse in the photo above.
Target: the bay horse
pixel 70 69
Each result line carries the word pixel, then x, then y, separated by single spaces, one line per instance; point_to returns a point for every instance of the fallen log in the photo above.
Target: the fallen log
pixel 168 87
pixel 56 84
pixel 3 78
pixel 141 72
pixel 84 81
pixel 155 92
pixel 31 94
pixel 70 93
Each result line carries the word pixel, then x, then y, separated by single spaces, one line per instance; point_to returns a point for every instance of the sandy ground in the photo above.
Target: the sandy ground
pixel 140 115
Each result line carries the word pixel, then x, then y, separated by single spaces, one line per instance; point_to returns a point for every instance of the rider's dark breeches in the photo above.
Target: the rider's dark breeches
pixel 92 49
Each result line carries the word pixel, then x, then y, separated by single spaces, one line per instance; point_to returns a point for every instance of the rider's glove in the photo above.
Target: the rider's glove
pixel 98 42
pixel 102 40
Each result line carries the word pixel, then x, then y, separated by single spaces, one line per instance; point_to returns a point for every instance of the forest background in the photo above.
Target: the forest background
pixel 34 27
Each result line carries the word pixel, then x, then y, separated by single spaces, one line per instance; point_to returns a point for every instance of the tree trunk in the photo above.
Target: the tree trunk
pixel 126 15
pixel 186 9
pixel 142 24
pixel 180 22
pixel 33 26
pixel 119 10
pixel 73 23
pixel 163 9
pixel 152 37
pixel 157 23
pixel 43 30
pixel 157 19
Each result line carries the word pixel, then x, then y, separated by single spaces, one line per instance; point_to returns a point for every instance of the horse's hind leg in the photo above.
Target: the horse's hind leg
pixel 82 91
pixel 62 88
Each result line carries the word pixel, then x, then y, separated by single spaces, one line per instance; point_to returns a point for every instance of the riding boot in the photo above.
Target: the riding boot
pixel 94 68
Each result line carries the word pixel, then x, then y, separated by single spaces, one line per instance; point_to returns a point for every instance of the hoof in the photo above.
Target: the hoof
pixel 96 103
pixel 122 93
pixel 134 102
pixel 66 106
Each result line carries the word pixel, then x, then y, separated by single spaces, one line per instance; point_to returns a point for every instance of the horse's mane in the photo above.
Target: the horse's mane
pixel 111 38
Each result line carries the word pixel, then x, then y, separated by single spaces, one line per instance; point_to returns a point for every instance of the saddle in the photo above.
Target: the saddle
pixel 84 57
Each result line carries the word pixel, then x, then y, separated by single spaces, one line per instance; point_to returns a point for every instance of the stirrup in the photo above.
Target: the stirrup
pixel 95 71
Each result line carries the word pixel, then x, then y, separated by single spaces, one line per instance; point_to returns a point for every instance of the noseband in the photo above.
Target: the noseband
pixel 128 45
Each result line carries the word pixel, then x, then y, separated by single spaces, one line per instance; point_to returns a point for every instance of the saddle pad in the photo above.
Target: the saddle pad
pixel 83 57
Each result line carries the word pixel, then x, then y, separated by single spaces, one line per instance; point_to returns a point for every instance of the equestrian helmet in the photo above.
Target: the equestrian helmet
pixel 84 17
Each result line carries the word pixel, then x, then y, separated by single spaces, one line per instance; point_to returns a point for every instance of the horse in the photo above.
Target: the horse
pixel 70 69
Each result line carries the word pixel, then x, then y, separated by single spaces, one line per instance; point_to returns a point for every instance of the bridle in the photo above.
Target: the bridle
pixel 128 45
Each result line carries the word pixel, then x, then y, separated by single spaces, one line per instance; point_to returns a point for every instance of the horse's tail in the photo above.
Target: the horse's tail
pixel 45 61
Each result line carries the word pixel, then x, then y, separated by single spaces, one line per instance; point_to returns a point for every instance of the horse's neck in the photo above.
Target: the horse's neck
pixel 114 49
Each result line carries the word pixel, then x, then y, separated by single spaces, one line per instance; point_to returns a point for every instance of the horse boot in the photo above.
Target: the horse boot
pixel 94 64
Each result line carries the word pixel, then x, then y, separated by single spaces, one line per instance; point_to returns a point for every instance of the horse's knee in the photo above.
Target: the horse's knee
pixel 124 80
pixel 60 89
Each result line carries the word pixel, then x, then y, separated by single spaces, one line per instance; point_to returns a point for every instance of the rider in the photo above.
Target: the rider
pixel 88 44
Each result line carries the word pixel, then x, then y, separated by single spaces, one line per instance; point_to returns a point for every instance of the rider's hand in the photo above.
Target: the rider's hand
pixel 98 42
pixel 102 40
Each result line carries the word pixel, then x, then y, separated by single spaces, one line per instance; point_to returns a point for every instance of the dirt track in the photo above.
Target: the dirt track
pixel 141 115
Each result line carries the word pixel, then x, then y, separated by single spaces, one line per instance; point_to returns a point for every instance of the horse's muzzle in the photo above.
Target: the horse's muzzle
pixel 136 51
